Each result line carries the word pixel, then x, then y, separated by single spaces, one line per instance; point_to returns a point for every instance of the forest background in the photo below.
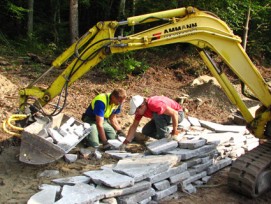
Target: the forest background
pixel 49 27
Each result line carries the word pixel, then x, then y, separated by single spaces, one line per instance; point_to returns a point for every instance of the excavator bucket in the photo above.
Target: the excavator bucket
pixel 38 147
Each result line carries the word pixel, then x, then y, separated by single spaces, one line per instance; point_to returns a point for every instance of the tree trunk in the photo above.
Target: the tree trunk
pixel 30 18
pixel 55 4
pixel 74 33
pixel 246 29
pixel 121 15
pixel 133 13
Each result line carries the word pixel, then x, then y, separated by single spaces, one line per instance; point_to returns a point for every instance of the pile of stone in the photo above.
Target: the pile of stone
pixel 168 166
pixel 132 180
pixel 67 135
pixel 201 137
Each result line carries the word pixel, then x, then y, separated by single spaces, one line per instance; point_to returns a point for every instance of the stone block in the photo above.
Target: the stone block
pixel 70 158
pixel 49 173
pixel 170 172
pixel 197 183
pixel 55 135
pixel 115 143
pixel 223 128
pixel 164 193
pixel 108 201
pixel 186 154
pixel 136 197
pixel 192 144
pixel 46 196
pixel 201 167
pixel 161 185
pixel 237 153
pixel 86 152
pixel 238 138
pixel 72 180
pixel 194 121
pixel 192 162
pixel 162 145
pixel 190 189
pixel 217 138
pixel 192 172
pixel 250 146
pixel 110 178
pixel 252 140
pixel 144 167
pixel 80 188
pixel 206 179
pixel 48 186
pixel 219 165
pixel 68 141
pixel 145 201
pixel 121 155
pixel 179 177
pixel 109 192
pixel 191 179
pixel 205 159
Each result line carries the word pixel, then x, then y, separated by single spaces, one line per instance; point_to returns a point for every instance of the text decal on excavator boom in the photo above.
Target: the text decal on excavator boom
pixel 157 36
pixel 174 29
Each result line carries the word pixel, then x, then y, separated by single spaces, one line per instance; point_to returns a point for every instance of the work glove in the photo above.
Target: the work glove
pixel 121 133
pixel 107 146
pixel 122 147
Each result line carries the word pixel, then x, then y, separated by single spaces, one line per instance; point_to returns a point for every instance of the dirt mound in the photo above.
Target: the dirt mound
pixel 8 91
pixel 6 86
pixel 207 101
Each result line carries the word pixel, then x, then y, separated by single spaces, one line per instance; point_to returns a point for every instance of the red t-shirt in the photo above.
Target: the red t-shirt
pixel 158 104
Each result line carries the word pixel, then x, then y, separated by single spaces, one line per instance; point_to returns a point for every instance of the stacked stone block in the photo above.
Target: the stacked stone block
pixel 169 166
pixel 67 135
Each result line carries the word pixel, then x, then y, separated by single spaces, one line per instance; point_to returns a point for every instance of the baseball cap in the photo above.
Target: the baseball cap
pixel 135 102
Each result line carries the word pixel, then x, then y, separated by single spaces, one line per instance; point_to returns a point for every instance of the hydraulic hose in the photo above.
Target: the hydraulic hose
pixel 7 124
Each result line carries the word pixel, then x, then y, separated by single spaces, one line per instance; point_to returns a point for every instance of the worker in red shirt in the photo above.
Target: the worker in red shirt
pixel 162 110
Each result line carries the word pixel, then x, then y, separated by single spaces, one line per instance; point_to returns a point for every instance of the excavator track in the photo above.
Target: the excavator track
pixel 250 174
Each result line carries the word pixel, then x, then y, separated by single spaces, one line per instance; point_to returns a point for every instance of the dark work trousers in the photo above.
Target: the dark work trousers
pixel 157 126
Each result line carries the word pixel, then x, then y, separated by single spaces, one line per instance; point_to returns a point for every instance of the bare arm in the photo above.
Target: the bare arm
pixel 174 115
pixel 99 123
pixel 131 131
pixel 114 122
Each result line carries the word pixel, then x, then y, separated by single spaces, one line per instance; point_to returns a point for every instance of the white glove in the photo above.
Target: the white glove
pixel 176 138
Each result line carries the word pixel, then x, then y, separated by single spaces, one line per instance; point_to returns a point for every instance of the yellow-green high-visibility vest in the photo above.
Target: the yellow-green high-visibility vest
pixel 105 98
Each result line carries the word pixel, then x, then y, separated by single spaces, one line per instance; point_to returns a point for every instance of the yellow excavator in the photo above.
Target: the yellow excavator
pixel 250 174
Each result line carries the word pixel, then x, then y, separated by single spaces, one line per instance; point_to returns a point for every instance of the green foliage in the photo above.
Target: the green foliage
pixel 149 6
pixel 86 3
pixel 17 11
pixel 51 21
pixel 25 45
pixel 118 66
pixel 234 12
